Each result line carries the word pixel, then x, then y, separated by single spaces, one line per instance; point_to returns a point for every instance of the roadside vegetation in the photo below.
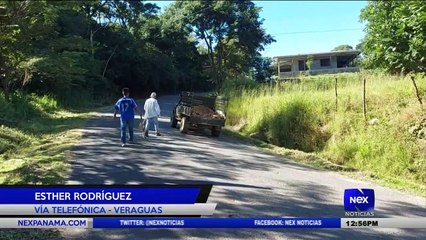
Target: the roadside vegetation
pixel 389 144
pixel 35 136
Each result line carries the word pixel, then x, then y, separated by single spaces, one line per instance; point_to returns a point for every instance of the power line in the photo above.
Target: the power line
pixel 183 16
pixel 318 31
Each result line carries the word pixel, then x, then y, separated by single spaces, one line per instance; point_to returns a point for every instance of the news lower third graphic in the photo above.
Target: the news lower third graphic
pixel 177 222
pixel 359 202
pixel 94 201
pixel 162 206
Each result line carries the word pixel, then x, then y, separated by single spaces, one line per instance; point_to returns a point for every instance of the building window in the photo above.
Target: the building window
pixel 302 65
pixel 325 62
pixel 285 68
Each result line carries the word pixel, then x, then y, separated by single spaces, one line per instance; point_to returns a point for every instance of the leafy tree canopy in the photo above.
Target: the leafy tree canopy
pixel 230 30
pixel 343 47
pixel 92 48
pixel 395 36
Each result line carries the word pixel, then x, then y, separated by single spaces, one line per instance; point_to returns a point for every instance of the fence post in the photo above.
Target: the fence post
pixel 364 104
pixel 335 90
pixel 417 90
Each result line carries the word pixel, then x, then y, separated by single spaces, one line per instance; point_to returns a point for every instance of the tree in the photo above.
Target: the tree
pixel 263 70
pixel 61 63
pixel 395 36
pixel 310 62
pixel 223 25
pixel 343 47
pixel 22 23
pixel 75 50
pixel 180 45
pixel 358 46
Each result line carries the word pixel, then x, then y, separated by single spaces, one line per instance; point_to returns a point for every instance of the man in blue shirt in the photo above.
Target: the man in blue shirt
pixel 126 106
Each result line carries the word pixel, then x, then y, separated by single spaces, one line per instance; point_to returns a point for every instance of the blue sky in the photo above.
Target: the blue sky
pixel 308 26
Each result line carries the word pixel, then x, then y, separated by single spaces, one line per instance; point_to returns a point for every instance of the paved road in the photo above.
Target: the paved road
pixel 247 183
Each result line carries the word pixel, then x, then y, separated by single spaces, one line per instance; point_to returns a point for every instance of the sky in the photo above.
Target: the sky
pixel 308 26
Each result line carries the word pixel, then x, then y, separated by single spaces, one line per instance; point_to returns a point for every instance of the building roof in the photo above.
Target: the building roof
pixel 331 53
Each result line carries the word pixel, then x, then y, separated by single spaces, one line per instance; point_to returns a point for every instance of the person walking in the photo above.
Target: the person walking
pixel 126 106
pixel 152 113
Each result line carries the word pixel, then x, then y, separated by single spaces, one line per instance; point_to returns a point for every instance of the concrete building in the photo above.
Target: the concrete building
pixel 325 62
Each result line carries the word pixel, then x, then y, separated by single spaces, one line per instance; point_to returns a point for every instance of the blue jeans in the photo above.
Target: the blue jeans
pixel 124 124
pixel 150 122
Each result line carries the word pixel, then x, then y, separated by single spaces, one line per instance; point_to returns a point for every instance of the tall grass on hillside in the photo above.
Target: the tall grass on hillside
pixel 303 116
pixel 35 134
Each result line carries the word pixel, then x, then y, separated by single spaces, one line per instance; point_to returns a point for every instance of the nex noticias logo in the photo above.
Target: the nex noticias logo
pixel 359 199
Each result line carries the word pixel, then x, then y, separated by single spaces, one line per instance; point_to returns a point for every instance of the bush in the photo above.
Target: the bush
pixel 240 83
pixel 295 125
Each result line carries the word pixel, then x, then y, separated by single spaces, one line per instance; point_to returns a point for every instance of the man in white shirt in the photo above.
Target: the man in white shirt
pixel 152 113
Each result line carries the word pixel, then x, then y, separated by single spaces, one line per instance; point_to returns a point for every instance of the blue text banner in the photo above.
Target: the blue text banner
pixel 98 195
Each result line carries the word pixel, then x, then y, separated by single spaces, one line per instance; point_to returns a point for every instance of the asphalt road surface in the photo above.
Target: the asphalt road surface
pixel 247 183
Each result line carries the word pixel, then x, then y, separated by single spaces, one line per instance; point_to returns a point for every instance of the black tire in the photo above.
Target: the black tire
pixel 173 121
pixel 184 124
pixel 216 131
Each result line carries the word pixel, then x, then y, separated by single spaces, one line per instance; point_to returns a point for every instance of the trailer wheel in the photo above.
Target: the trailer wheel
pixel 173 121
pixel 216 131
pixel 184 125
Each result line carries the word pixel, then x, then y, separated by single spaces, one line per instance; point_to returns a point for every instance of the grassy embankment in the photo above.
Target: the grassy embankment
pixel 303 116
pixel 36 134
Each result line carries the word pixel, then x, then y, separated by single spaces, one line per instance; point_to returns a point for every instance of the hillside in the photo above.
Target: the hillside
pixel 35 136
pixel 389 144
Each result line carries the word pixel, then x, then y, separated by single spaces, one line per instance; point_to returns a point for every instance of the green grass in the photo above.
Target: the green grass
pixel 30 234
pixel 302 115
pixel 36 134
